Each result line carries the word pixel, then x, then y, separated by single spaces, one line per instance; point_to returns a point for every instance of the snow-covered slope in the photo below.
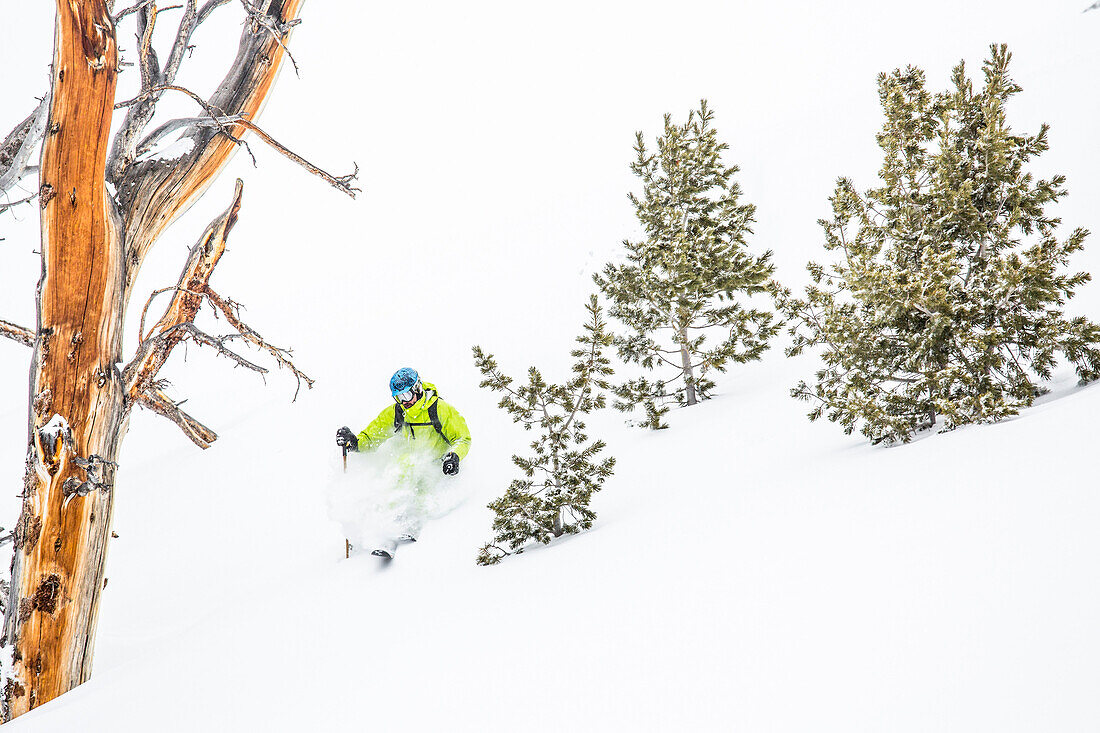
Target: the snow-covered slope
pixel 749 571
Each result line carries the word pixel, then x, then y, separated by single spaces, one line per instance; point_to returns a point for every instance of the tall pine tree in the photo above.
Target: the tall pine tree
pixel 944 304
pixel 563 471
pixel 680 283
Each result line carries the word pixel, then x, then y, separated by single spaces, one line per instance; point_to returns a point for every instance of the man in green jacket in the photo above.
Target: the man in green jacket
pixel 417 415
pixel 431 429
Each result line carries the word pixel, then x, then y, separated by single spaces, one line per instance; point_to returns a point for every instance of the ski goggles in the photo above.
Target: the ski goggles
pixel 409 395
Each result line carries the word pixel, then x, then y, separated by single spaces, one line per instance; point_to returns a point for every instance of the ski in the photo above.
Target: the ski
pixel 385 550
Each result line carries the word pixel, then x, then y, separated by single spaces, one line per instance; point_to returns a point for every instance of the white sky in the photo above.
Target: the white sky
pixel 494 141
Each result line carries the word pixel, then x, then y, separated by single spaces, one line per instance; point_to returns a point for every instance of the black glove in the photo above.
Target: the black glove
pixel 346 438
pixel 450 464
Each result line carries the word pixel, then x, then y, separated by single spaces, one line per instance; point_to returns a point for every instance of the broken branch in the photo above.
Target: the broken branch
pixel 184 306
pixel 154 352
pixel 340 183
pixel 177 323
pixel 148 63
pixel 15 151
pixel 183 38
pixel 17 333
pixel 152 296
pixel 154 399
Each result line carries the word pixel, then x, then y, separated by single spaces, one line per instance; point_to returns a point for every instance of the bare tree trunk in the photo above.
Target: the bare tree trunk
pixel 92 248
pixel 77 414
pixel 689 372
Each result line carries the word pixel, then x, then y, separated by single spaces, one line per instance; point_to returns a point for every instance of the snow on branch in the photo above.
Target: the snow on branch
pixel 152 191
pixel 122 155
pixel 137 117
pixel 156 135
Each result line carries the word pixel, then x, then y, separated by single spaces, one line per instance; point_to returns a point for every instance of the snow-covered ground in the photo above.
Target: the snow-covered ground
pixel 748 571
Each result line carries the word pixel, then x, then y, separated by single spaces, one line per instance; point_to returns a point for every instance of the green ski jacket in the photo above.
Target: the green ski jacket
pixel 415 423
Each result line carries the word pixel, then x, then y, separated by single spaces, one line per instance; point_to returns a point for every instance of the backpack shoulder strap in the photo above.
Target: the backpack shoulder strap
pixel 433 415
pixel 398 418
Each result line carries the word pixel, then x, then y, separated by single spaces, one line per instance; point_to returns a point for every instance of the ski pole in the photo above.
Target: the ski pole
pixel 347 544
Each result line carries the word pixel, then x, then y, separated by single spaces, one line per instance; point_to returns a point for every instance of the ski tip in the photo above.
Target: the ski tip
pixel 384 554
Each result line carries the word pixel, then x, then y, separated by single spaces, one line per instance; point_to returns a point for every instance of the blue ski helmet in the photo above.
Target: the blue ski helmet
pixel 403 380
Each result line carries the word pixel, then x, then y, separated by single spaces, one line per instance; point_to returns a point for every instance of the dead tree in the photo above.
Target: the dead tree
pixel 104 203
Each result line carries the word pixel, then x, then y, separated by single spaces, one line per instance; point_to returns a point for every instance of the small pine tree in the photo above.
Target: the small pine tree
pixel 680 282
pixel 946 297
pixel 563 472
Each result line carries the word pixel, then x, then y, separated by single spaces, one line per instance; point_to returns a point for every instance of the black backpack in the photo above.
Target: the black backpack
pixel 433 415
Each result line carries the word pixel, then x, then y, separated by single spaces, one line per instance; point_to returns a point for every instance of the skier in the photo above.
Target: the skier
pixel 426 422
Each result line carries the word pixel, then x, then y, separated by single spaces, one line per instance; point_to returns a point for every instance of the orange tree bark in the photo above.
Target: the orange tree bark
pixel 92 247
pixel 61 536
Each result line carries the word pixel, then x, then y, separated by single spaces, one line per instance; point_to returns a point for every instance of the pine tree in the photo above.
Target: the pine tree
pixel 680 282
pixel 946 298
pixel 562 473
